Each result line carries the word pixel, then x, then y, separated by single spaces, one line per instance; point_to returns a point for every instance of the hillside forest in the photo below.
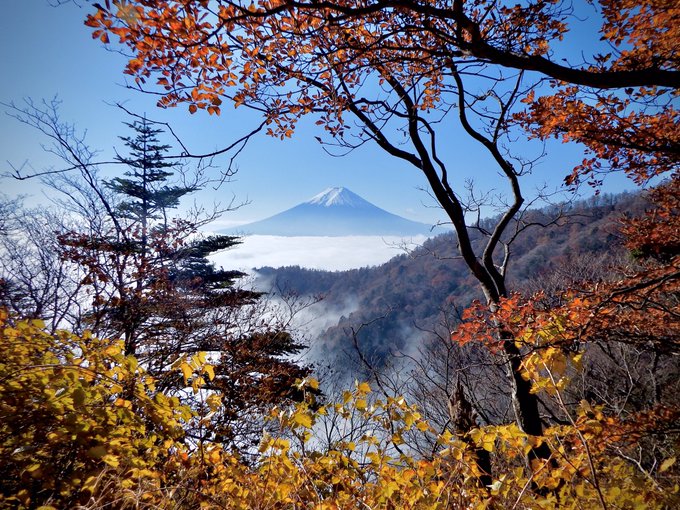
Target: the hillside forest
pixel 529 359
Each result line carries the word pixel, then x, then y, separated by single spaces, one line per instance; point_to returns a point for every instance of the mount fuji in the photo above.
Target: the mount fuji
pixel 335 212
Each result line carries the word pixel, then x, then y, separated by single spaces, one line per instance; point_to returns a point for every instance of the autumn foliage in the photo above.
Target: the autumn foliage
pixel 293 59
pixel 74 438
pixel 79 420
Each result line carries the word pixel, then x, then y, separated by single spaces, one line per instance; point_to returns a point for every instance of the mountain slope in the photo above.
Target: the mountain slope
pixel 392 305
pixel 335 212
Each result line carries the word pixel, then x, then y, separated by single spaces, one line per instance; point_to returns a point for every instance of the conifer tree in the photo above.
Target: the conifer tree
pixel 154 286
pixel 148 195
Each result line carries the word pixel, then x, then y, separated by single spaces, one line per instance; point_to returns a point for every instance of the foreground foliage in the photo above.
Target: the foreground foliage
pixel 82 426
pixel 79 418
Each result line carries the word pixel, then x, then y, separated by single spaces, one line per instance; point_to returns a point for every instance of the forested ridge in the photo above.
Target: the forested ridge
pixel 138 375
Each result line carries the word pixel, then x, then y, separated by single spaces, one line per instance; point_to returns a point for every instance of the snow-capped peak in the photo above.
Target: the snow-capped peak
pixel 335 212
pixel 337 196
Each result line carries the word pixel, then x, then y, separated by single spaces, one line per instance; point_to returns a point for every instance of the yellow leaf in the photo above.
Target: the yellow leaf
pixel 364 388
pixel 280 444
pixel 214 402
pixel 666 464
pixel 476 435
pixel 422 426
pixel 186 371
pixel 34 469
pixel 302 418
pixel 488 445
pixel 446 437
pixel 37 323
pixel 210 371
pixel 374 457
pixel 489 441
pixel 90 484
pixel 111 460
pixel 121 402
pixel 112 350
pixel 390 488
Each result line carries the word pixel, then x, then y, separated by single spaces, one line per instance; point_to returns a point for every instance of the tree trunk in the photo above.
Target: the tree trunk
pixel 524 402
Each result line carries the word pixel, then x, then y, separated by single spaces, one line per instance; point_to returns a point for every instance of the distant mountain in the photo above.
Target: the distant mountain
pixel 335 212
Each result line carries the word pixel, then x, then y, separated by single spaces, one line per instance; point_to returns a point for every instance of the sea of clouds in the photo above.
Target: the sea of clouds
pixel 328 253
pixel 310 316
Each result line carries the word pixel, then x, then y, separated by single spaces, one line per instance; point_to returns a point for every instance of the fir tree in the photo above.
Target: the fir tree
pixel 154 286
pixel 145 187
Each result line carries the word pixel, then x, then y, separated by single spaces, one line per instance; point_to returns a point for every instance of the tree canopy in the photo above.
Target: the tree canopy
pixel 380 61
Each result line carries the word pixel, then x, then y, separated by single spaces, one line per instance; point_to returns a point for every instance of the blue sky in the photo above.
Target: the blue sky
pixel 47 51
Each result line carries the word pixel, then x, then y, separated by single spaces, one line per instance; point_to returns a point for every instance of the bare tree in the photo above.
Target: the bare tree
pixel 37 281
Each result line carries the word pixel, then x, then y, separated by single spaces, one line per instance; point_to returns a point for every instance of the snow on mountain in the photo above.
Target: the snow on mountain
pixel 335 212
pixel 338 196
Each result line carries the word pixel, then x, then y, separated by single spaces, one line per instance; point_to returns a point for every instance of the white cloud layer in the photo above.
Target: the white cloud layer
pixel 329 253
